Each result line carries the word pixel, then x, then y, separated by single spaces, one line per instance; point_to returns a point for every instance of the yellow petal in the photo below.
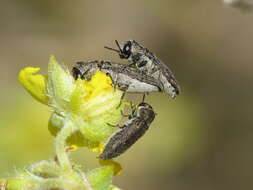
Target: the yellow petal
pixel 34 83
pixel 101 83
pixel 117 169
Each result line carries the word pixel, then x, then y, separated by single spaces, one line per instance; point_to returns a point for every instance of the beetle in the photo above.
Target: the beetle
pixel 132 130
pixel 148 63
pixel 125 78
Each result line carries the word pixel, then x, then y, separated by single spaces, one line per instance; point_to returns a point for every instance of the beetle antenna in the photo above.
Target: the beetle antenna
pixel 117 43
pixel 112 49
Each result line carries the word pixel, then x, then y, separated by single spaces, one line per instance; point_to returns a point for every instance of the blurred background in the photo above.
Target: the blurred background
pixel 200 140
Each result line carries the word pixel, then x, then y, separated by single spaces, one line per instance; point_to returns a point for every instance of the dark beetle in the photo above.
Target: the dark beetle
pixel 133 129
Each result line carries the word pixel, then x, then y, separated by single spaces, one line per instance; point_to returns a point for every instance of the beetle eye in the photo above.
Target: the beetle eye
pixel 141 64
pixel 127 50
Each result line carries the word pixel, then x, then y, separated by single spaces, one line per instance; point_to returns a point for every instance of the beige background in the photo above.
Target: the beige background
pixel 200 141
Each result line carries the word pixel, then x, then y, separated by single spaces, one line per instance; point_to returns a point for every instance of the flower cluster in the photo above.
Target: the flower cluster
pixel 83 115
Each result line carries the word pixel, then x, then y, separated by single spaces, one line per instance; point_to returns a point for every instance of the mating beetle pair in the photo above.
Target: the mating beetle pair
pixel 144 73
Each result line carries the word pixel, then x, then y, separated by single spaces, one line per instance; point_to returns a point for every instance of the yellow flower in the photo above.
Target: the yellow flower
pixel 88 105
pixel 83 115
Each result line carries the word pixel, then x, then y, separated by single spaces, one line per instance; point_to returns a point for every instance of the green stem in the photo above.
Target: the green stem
pixel 62 156
pixel 60 145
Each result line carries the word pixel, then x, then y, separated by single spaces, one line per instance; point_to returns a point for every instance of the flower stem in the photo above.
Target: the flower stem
pixel 62 156
pixel 60 145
